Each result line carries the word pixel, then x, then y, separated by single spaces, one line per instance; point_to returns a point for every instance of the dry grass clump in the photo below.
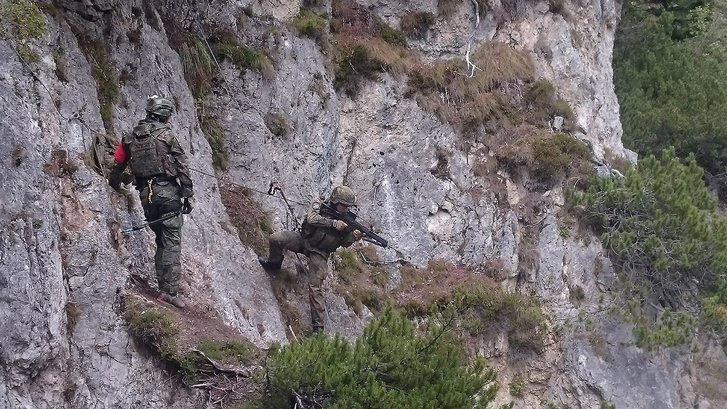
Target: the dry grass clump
pixel 543 105
pixel 364 46
pixel 252 223
pixel 353 20
pixel 498 63
pixel 481 306
pixel 197 345
pixel 550 157
pixel 416 23
pixel 468 98
pixel 516 147
pixel 421 290
pixel 364 58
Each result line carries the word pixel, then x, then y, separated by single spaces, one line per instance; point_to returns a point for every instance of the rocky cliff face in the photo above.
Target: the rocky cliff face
pixel 64 262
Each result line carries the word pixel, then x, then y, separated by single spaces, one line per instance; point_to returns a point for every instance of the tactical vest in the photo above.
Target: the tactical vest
pixel 145 161
pixel 325 239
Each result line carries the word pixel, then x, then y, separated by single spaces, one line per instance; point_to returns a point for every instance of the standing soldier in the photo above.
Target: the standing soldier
pixel 319 237
pixel 159 165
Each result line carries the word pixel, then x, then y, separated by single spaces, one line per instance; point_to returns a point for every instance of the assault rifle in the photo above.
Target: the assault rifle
pixel 350 219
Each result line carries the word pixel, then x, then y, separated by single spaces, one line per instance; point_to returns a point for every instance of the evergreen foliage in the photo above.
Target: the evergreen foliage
pixel 662 229
pixel 660 224
pixel 670 74
pixel 672 328
pixel 714 311
pixel 389 366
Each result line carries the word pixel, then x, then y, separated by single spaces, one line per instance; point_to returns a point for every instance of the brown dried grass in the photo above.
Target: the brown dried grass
pixel 465 98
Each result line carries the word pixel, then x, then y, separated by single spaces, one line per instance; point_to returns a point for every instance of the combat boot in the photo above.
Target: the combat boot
pixel 175 300
pixel 269 265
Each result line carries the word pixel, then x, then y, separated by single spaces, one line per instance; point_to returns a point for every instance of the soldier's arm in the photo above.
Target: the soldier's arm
pixel 121 158
pixel 314 217
pixel 180 164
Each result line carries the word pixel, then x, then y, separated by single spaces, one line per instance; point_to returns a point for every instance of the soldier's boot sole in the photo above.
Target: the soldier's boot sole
pixel 269 265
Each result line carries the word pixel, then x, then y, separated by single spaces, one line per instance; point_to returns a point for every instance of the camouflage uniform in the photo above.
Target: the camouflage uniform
pixel 159 165
pixel 317 239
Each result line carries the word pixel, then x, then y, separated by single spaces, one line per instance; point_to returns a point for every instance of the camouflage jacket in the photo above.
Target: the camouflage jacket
pixel 320 234
pixel 169 151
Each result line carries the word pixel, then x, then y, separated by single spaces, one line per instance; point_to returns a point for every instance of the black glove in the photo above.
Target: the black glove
pixel 187 205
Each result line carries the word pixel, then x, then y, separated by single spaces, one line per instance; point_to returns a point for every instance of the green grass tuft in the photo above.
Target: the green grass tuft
pixel 21 20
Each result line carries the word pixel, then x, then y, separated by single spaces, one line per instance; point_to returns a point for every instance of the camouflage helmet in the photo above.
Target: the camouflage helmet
pixel 344 195
pixel 160 107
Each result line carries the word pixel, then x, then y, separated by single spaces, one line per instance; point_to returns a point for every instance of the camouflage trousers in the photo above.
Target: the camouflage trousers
pixel 317 266
pixel 159 200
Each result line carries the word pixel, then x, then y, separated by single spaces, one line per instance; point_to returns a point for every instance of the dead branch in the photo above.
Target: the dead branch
pixel 244 372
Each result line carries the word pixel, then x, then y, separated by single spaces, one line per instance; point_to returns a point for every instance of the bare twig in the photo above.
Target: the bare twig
pixel 224 368
pixel 471 67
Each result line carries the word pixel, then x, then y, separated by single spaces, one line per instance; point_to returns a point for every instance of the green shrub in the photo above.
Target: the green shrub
pixel 662 229
pixel 227 352
pixel 197 64
pixel 27 54
pixel 517 386
pixel 266 224
pixel 392 35
pixel 714 311
pixel 242 56
pixel 389 366
pixel 21 20
pixel 558 155
pixel 348 266
pixel 214 133
pixel 672 328
pixel 522 316
pixel 474 298
pixel 660 223
pixel 361 279
pixel 671 81
pixel 310 24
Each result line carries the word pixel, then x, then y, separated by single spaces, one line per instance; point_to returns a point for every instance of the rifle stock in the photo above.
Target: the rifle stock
pixel 350 219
